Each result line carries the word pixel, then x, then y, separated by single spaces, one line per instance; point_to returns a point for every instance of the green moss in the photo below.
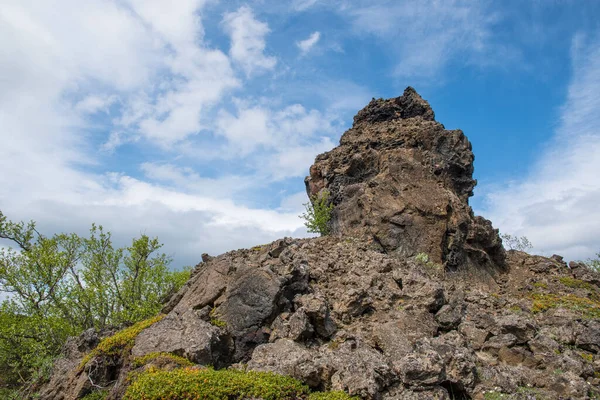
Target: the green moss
pixel 492 395
pixel 587 357
pixel 540 285
pixel 333 395
pixel 587 308
pixel 515 309
pixel 194 383
pixel 97 395
pixel 214 319
pixel 577 283
pixel 145 359
pixel 123 340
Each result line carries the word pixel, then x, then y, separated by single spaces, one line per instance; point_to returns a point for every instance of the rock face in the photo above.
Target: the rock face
pixel 399 178
pixel 356 311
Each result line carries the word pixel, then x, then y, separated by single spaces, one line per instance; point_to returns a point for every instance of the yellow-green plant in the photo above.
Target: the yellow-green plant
pixel 147 358
pixel 121 341
pixel 318 213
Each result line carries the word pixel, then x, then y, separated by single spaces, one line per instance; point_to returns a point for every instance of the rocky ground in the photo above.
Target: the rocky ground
pixel 412 297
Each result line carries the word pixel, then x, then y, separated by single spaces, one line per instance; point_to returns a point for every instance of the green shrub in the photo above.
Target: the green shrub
pixel 207 383
pixel 123 340
pixel 516 243
pixel 318 214
pixel 147 358
pixel 97 395
pixel 594 263
pixel 333 395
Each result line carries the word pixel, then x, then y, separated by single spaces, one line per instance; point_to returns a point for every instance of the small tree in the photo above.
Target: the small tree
pixel 594 263
pixel 58 286
pixel 318 214
pixel 516 243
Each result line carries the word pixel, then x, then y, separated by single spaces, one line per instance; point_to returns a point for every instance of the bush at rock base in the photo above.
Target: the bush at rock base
pixel 193 383
pixel 148 358
pixel 115 344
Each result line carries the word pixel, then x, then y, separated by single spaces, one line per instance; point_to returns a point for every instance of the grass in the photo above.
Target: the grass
pixel 540 285
pixel 214 319
pixel 97 395
pixel 123 340
pixel 577 284
pixel 193 383
pixel 145 359
pixel 587 308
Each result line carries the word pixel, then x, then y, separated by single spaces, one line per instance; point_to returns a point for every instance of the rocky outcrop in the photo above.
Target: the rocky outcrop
pixel 357 311
pixel 399 178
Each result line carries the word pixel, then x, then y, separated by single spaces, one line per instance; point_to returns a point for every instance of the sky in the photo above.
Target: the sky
pixel 197 120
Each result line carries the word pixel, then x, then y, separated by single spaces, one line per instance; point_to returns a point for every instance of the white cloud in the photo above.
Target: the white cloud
pixel 301 5
pixel 63 62
pixel 248 41
pixel 428 34
pixel 556 206
pixel 307 44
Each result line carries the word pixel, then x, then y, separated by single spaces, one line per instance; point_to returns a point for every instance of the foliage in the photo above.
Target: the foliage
pixel 587 308
pixel 123 340
pixel 594 263
pixel 96 395
pixel 423 259
pixel 333 395
pixel 318 213
pixel 147 358
pixel 577 283
pixel 193 383
pixel 516 243
pixel 56 287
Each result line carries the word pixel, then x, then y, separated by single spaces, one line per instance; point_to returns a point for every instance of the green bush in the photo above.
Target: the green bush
pixel 123 340
pixel 145 359
pixel 594 263
pixel 207 383
pixel 318 214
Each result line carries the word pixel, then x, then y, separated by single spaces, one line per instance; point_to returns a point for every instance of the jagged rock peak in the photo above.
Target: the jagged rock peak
pixel 409 105
pixel 400 178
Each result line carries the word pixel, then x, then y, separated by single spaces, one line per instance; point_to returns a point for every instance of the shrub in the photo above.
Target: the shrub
pixel 194 383
pixel 516 243
pixel 318 214
pixel 147 358
pixel 594 263
pixel 123 340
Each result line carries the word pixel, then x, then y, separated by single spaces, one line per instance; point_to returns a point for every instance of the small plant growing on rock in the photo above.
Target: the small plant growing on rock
pixel 318 214
pixel 516 243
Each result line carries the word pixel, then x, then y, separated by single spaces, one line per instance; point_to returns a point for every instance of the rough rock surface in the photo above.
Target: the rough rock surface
pixel 357 311
pixel 400 178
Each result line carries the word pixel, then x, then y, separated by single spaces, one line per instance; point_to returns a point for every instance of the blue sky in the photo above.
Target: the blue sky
pixel 197 121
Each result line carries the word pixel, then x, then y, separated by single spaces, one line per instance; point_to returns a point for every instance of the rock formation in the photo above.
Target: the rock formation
pixel 399 178
pixel 362 310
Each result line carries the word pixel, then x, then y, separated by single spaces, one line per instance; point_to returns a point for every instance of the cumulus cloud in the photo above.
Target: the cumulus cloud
pixel 307 44
pixel 556 205
pixel 145 67
pixel 248 41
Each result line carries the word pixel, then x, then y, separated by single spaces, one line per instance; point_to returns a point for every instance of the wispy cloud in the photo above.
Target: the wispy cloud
pixel 556 206
pixel 425 35
pixel 248 41
pixel 307 44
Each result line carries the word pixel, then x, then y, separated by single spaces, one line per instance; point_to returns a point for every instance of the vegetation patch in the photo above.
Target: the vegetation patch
pixel 333 395
pixel 586 307
pixel 124 339
pixel 577 284
pixel 206 383
pixel 540 285
pixel 148 358
pixel 97 395
pixel 214 319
